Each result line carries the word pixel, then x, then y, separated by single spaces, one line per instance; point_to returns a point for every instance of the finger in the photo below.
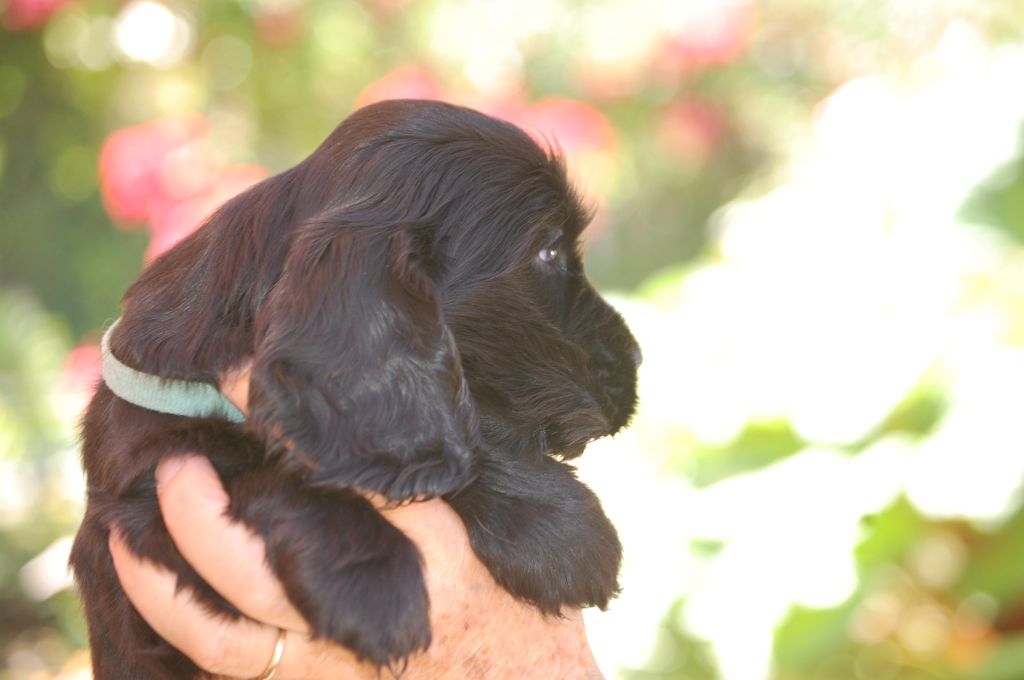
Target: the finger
pixel 236 648
pixel 226 554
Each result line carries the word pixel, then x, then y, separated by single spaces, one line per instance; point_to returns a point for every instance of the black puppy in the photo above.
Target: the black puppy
pixel 414 303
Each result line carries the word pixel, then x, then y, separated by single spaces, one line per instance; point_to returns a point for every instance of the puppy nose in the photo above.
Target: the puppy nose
pixel 637 355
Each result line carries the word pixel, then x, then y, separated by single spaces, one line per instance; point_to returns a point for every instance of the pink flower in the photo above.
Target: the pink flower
pixel 81 370
pixel 173 219
pixel 405 82
pixel 24 14
pixel 607 82
pixel 718 34
pixel 163 174
pixel 574 126
pixel 280 26
pixel 388 7
pixel 691 129
pixel 580 131
pixel 131 166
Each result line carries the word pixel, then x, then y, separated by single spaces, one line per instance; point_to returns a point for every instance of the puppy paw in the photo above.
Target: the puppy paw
pixel 356 579
pixel 551 562
pixel 376 605
pixel 548 543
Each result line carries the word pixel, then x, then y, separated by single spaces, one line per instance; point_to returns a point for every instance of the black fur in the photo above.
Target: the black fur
pixel 413 298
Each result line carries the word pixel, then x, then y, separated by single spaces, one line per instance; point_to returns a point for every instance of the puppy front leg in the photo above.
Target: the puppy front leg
pixel 356 578
pixel 123 645
pixel 541 532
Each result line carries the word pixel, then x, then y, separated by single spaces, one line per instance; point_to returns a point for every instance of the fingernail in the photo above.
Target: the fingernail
pixel 166 470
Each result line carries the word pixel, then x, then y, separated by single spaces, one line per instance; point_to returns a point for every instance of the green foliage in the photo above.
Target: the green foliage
pixel 810 641
pixel 759 444
pixel 35 449
pixel 994 568
pixel 998 202
pixel 917 414
pixel 1004 662
pixel 54 235
pixel 33 345
pixel 889 535
pixel 677 655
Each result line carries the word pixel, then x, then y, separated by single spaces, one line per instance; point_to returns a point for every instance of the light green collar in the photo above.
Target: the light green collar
pixel 166 395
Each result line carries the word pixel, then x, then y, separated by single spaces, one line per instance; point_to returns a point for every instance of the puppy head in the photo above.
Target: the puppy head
pixel 411 293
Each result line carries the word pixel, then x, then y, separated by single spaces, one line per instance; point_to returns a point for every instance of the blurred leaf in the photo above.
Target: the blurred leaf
pixel 889 534
pixel 998 201
pixel 33 345
pixel 759 444
pixel 1005 661
pixel 916 415
pixel 995 567
pixel 664 289
pixel 808 636
pixel 677 654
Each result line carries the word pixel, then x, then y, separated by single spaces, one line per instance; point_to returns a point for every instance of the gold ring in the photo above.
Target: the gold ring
pixel 271 668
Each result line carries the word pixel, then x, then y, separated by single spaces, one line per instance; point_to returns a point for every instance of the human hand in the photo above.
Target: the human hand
pixel 478 629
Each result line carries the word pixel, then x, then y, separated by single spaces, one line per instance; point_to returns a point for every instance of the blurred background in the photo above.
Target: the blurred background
pixel 810 211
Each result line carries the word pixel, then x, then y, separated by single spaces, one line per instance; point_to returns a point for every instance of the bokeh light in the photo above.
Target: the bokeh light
pixel 150 32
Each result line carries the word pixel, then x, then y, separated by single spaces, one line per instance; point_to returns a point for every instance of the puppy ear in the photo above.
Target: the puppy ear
pixel 356 380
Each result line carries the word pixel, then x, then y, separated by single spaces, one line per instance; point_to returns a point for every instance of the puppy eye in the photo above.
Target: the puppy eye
pixel 548 254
